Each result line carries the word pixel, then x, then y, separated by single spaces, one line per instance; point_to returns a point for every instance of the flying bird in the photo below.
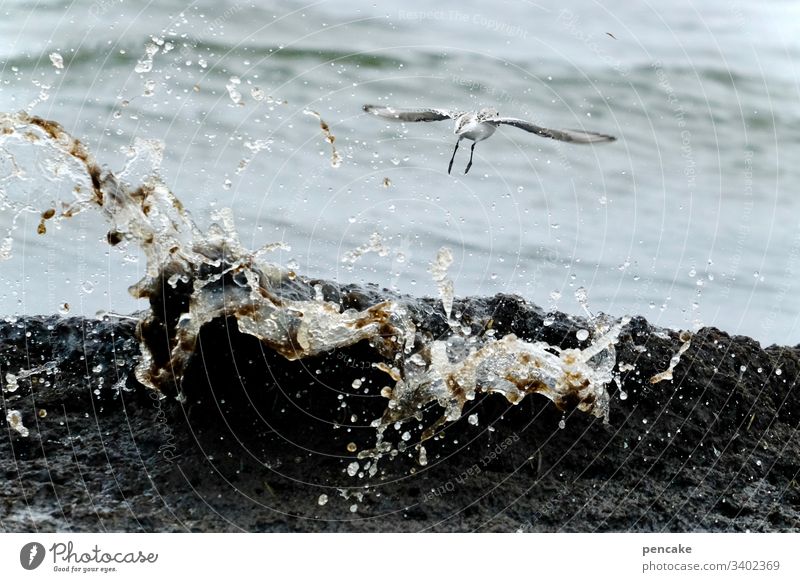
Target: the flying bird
pixel 480 125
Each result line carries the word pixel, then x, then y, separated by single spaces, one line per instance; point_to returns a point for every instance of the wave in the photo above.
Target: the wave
pixel 195 278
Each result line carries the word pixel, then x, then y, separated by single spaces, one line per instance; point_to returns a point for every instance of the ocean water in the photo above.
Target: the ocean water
pixel 690 218
pixel 221 278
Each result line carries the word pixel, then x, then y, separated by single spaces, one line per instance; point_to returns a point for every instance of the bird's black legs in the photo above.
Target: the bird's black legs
pixel 471 151
pixel 453 157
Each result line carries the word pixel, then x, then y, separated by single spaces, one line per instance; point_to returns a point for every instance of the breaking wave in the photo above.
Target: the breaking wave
pixel 195 276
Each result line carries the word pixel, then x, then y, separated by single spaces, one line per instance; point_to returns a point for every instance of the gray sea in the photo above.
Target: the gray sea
pixel 690 218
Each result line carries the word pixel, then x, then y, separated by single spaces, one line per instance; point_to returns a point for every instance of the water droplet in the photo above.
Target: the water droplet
pixel 57 60
pixel 352 468
pixel 233 90
pixel 14 421
pixel 323 499
pixel 582 335
pixel 473 419
pixel 11 382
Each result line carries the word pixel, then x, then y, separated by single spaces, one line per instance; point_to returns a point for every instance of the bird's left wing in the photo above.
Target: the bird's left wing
pixel 571 135
pixel 405 114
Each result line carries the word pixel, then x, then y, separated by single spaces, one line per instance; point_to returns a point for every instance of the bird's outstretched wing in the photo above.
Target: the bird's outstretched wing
pixel 401 114
pixel 571 135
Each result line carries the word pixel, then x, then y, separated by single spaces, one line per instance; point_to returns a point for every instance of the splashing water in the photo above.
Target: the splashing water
pixel 57 60
pixel 145 64
pixel 233 91
pixel 12 380
pixel 336 158
pixel 255 147
pixel 213 276
pixel 686 337
pixel 14 420
pixel 438 270
pixel 375 244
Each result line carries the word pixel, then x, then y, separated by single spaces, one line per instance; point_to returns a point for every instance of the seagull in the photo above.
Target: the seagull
pixel 480 125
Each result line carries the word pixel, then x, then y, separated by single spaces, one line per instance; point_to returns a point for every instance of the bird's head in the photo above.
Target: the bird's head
pixel 487 113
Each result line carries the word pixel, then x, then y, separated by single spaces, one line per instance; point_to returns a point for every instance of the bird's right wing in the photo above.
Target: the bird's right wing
pixel 570 135
pixel 401 114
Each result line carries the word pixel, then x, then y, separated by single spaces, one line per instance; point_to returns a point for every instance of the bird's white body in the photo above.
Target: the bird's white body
pixel 473 126
pixel 480 125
